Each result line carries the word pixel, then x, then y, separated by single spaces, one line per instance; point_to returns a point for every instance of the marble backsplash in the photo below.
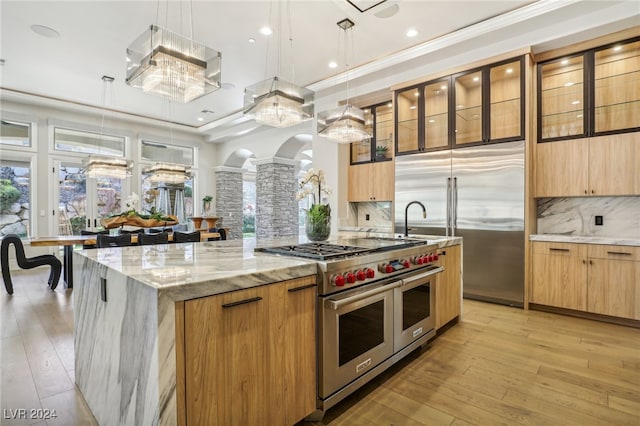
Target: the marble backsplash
pixel 577 216
pixel 369 216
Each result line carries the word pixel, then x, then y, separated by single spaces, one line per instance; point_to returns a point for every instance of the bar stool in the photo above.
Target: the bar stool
pixel 123 240
pixel 186 237
pixel 149 239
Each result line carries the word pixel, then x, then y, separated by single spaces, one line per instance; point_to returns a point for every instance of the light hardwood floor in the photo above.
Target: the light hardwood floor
pixel 499 365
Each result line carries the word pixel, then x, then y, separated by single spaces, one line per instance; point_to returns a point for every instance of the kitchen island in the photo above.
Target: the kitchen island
pixel 149 322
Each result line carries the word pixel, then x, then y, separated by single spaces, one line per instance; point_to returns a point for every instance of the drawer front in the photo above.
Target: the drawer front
pixel 559 249
pixel 614 252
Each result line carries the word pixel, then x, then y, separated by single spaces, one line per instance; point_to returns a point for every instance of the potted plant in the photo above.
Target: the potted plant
pixel 206 205
pixel 381 152
pixel 318 223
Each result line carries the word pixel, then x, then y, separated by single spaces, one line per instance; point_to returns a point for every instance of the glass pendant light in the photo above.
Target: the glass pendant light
pixel 173 66
pixel 97 165
pixel 344 124
pixel 274 101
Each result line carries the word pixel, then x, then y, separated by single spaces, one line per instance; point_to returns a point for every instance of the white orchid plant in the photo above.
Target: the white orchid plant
pixel 132 202
pixel 313 184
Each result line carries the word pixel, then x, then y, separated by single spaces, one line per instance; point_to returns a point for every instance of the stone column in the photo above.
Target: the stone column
pixel 276 203
pixel 229 199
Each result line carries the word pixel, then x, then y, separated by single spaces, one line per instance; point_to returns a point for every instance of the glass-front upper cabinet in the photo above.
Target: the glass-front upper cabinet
pixel 595 92
pixel 436 113
pixel 469 111
pixel 506 101
pixel 408 109
pixel 617 87
pixel 562 98
pixel 379 123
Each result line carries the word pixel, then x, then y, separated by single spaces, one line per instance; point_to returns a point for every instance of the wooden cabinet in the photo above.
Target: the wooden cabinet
pixel 590 93
pixel 448 294
pixel 379 124
pixel 613 285
pixel 559 275
pixel 250 355
pixel 484 105
pixel 600 279
pixel 371 182
pixel 604 165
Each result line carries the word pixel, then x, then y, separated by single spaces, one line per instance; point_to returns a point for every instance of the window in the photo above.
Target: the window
pixel 154 151
pixel 249 207
pixel 14 133
pixel 88 142
pixel 15 197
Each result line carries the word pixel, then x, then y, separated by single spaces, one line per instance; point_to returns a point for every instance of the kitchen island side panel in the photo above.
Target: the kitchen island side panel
pixel 124 371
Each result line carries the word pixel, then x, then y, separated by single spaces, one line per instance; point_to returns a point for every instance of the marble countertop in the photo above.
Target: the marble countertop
pixel 557 238
pixel 186 271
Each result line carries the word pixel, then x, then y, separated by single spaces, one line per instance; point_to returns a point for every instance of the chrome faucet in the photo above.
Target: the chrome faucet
pixel 406 209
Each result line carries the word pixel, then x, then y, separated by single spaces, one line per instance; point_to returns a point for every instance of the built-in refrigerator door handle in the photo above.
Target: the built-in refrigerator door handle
pixel 454 221
pixel 448 226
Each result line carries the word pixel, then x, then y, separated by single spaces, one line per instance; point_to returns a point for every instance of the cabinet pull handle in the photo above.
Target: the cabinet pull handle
pixel 242 302
pixel 621 253
pixel 591 262
pixel 593 192
pixel 304 287
pixel 584 262
pixel 586 192
pixel 558 249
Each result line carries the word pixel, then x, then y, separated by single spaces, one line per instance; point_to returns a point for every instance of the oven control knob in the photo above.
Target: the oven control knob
pixel 350 277
pixel 418 260
pixel 406 263
pixel 338 280
pixel 430 258
pixel 425 258
pixel 370 273
pixel 389 268
pixel 361 275
pixel 435 256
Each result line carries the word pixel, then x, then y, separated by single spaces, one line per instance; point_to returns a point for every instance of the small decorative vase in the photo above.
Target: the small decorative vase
pixel 206 208
pixel 318 228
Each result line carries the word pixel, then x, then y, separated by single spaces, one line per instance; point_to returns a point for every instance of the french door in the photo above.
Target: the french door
pixel 80 202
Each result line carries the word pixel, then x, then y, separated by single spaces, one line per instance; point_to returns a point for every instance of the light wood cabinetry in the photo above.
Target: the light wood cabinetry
pixel 600 279
pixel 613 285
pixel 599 166
pixel 448 297
pixel 250 355
pixel 371 182
pixel 559 275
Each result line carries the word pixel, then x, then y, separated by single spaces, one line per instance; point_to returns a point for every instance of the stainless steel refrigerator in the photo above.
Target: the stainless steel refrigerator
pixel 476 193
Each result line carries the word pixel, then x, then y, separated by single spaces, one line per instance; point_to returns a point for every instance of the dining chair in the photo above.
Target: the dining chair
pixel 85 232
pixel 186 237
pixel 149 239
pixel 26 262
pixel 123 240
pixel 221 231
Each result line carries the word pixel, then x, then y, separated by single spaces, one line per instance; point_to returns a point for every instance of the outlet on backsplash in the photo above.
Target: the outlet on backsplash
pixel 598 220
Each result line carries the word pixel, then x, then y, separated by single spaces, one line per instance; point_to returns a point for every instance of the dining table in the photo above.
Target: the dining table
pixel 69 241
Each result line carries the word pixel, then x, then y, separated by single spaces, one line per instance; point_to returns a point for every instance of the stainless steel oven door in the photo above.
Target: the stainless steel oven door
pixel 356 334
pixel 415 307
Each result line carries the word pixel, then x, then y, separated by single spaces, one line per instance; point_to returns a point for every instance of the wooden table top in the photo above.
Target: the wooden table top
pixel 68 240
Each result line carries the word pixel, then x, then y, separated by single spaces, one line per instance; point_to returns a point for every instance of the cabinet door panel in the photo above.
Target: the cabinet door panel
pixel 448 287
pixel 359 183
pixel 613 164
pixel 468 107
pixel 505 101
pixel 562 168
pixel 436 114
pixel 559 276
pixel 407 137
pixel 613 288
pixel 382 181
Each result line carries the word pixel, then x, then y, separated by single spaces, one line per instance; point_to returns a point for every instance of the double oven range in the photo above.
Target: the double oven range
pixel 375 305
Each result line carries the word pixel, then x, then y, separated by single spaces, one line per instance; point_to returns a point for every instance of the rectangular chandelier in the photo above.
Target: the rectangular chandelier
pixel 171 173
pixel 164 63
pixel 344 124
pixel 107 167
pixel 278 103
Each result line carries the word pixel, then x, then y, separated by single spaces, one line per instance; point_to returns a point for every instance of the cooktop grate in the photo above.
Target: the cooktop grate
pixel 317 251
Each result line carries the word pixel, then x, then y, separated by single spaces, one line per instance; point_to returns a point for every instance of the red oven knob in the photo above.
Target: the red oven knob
pixel 338 280
pixel 430 258
pixel 389 269
pixel 370 273
pixel 418 260
pixel 406 263
pixel 350 277
pixel 361 275
pixel 435 256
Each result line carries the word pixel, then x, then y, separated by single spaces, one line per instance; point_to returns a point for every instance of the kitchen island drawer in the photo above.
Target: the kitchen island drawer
pixel 614 252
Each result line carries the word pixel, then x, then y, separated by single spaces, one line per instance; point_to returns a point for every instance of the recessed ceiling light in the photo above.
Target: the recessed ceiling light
pixel 200 119
pixel 265 31
pixel 45 31
pixel 412 32
pixel 617 48
pixel 252 40
pixel 333 64
pixel 564 62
